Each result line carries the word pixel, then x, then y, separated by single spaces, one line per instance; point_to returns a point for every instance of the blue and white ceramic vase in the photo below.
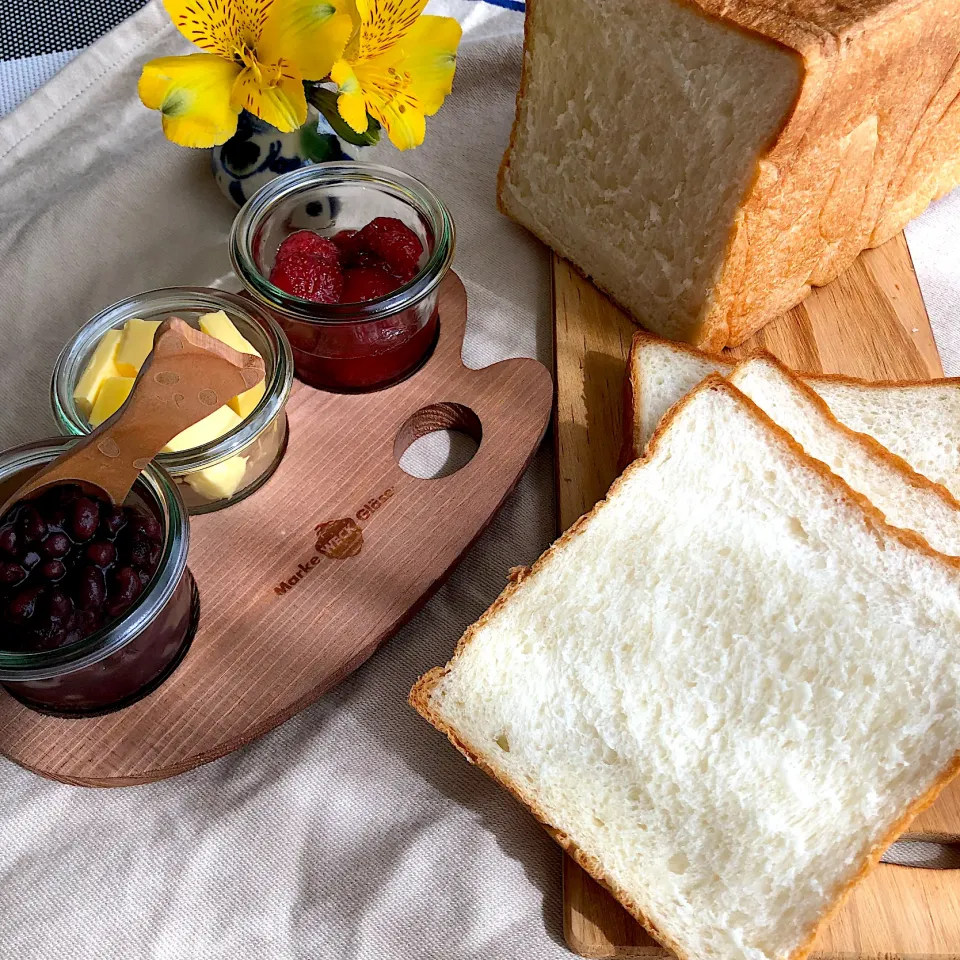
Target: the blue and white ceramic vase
pixel 257 153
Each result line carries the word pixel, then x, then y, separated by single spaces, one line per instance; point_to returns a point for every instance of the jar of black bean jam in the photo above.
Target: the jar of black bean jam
pixel 97 606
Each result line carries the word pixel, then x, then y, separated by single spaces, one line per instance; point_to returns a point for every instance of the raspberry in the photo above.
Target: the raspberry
pixel 308 266
pixel 308 244
pixel 352 256
pixel 308 277
pixel 352 267
pixel 367 283
pixel 344 240
pixel 364 258
pixel 393 242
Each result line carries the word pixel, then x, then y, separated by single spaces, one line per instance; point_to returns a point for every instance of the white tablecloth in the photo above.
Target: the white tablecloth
pixel 354 830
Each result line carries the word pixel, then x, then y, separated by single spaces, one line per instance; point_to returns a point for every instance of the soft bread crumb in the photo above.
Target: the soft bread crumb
pixel 698 104
pixel 919 422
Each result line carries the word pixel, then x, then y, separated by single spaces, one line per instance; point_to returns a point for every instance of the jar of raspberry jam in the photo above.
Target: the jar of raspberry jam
pixel 348 346
pixel 128 654
pixel 225 469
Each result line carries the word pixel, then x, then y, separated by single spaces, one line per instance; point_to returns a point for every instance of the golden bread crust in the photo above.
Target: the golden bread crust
pixel 503 171
pixel 864 152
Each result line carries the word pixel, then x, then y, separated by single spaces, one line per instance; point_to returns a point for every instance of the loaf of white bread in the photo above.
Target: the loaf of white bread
pixel 727 688
pixel 706 161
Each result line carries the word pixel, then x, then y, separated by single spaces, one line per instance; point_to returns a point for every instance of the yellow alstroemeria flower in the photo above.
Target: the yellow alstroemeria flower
pixel 398 68
pixel 259 52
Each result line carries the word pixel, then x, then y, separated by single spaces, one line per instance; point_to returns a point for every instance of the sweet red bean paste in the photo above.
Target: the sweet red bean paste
pixel 71 563
pixel 352 267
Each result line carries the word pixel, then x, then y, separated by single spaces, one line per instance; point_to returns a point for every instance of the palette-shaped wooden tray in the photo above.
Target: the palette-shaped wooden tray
pixel 300 582
pixel 868 323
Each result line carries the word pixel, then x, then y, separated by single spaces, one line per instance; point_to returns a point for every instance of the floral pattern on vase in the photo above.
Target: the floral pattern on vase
pixel 258 152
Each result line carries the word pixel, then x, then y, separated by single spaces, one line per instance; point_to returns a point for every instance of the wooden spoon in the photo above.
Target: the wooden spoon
pixel 187 376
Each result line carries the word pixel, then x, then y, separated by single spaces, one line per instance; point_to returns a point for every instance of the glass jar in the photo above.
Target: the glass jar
pixel 131 657
pixel 348 347
pixel 223 471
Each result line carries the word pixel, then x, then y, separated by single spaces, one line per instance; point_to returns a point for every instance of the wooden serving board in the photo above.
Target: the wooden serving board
pixel 303 580
pixel 870 323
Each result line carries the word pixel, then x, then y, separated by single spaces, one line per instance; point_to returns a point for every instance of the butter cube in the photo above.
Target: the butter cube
pixel 220 481
pixel 135 345
pixel 113 395
pixel 219 325
pixel 245 403
pixel 209 428
pixel 102 366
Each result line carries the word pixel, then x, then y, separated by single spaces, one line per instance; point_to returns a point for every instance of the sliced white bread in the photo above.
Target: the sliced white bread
pixel 906 498
pixel 660 373
pixel 919 422
pixel 725 690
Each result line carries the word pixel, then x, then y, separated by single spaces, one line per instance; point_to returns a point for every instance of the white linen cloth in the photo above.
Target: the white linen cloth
pixel 353 830
pixel 20 77
pixel 934 241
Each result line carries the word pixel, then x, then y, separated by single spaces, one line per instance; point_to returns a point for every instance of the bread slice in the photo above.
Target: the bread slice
pixel 659 374
pixel 919 422
pixel 725 690
pixel 706 162
pixel 906 498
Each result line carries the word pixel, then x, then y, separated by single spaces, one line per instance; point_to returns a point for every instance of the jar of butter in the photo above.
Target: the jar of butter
pixel 232 452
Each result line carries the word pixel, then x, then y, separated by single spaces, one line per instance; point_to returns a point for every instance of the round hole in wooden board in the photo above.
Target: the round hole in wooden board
pixel 438 440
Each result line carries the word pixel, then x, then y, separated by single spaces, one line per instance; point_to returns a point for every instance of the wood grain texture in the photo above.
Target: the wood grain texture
pixel 303 580
pixel 870 323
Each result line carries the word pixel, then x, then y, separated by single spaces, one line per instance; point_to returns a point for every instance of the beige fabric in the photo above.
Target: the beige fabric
pixel 353 830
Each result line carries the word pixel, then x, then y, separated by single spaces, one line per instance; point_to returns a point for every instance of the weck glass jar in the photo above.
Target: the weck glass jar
pixel 221 472
pixel 130 657
pixel 347 347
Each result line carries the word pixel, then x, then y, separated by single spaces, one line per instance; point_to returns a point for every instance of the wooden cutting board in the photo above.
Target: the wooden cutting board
pixel 868 323
pixel 300 582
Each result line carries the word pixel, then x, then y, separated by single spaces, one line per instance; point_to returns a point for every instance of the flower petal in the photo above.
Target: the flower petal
pixel 384 23
pixel 404 122
pixel 219 26
pixel 194 95
pixel 409 76
pixel 308 34
pixel 278 99
pixel 351 104
pixel 431 60
pixel 396 111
